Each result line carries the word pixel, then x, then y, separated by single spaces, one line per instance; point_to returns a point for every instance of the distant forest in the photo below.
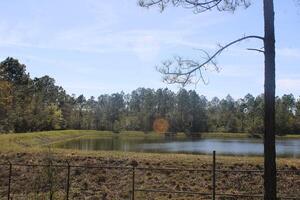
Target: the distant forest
pixel 37 104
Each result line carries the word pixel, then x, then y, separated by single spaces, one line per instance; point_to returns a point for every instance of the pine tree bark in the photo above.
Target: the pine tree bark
pixel 269 98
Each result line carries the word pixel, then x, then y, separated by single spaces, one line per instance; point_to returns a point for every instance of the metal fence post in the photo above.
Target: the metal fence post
pixel 214 176
pixel 68 181
pixel 133 180
pixel 50 180
pixel 9 180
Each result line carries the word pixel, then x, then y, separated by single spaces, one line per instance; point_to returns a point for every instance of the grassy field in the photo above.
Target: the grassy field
pixel 92 183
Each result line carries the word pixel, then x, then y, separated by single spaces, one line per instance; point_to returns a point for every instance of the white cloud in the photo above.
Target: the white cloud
pixel 206 19
pixel 100 32
pixel 289 52
pixel 145 43
pixel 289 85
pixel 242 71
pixel 146 48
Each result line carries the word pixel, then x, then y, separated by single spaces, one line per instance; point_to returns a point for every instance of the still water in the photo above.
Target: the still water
pixel 285 148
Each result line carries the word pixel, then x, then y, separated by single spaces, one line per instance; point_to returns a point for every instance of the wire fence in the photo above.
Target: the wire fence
pixel 59 181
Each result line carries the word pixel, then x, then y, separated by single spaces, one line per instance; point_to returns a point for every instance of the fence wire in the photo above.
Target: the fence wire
pixel 65 181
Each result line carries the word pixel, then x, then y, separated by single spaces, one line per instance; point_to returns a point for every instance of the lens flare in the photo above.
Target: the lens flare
pixel 160 125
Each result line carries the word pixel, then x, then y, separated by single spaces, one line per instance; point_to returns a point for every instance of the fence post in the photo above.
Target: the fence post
pixel 50 180
pixel 9 180
pixel 133 180
pixel 134 164
pixel 214 176
pixel 68 181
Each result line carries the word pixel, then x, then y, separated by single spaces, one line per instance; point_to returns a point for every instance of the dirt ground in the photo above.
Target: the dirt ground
pixel 87 182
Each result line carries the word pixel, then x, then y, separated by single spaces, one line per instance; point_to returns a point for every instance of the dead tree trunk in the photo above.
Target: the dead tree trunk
pixel 269 98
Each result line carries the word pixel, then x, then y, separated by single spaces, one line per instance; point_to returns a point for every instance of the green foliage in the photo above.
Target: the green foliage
pixel 116 127
pixel 38 105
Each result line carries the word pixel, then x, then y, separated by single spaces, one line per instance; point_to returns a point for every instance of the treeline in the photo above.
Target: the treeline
pixel 37 104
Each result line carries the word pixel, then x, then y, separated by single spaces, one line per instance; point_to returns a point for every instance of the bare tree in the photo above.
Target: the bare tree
pixel 186 71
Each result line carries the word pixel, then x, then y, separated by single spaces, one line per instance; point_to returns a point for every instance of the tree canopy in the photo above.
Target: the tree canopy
pixel 38 104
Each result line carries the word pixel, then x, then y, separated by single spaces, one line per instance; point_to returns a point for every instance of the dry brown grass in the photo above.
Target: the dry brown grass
pixel 115 184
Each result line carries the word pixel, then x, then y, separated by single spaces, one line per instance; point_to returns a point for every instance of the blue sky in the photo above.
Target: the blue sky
pixel 93 47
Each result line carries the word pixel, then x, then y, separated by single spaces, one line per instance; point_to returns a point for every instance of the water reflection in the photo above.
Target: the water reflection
pixel 285 148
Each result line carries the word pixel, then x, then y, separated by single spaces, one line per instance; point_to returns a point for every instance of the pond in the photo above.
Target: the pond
pixel 245 147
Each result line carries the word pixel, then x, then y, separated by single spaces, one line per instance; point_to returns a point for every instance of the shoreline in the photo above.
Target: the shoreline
pixel 39 141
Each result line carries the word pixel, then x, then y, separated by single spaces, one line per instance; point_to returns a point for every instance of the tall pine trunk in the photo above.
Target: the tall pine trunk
pixel 269 118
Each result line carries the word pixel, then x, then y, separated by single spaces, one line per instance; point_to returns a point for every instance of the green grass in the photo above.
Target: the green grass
pixel 17 141
pixel 225 135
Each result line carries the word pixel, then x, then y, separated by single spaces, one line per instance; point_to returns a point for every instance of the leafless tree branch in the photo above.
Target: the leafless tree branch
pixel 184 71
pixel 259 50
pixel 198 5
